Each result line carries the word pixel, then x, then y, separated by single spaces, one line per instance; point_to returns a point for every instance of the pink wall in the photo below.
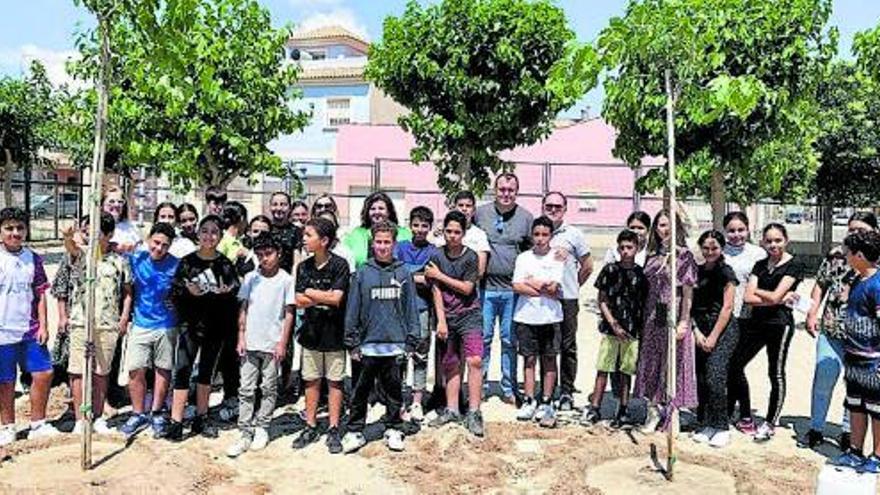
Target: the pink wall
pixel 581 154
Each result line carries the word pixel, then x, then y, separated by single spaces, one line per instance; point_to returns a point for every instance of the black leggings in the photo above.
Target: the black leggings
pixel 754 336
pixel 189 345
pixel 712 371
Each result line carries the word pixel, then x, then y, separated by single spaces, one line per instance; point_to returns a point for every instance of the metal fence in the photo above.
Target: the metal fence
pixel 52 200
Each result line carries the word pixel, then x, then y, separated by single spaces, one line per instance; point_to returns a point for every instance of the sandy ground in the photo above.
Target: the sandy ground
pixel 513 458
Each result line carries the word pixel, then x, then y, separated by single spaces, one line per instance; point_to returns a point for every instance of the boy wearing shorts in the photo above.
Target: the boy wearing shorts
pixel 454 272
pixel 538 313
pixel 622 289
pixel 113 298
pixel 23 332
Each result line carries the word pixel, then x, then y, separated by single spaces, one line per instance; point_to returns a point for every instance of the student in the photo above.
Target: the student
pixel 215 201
pixel 249 262
pixel 640 223
pixel 741 255
pixel 833 285
pixel 181 246
pixel 622 287
pixel 204 293
pixel 154 332
pixel 23 332
pixel 337 247
pixel 415 255
pixel 321 284
pixel 653 346
pixel 716 336
pixel 127 237
pixel 264 323
pixel 299 213
pixel 232 246
pixel 453 273
pixel 188 222
pixel 377 208
pixel 771 325
pixel 381 326
pixel 113 299
pixel 862 354
pixel 536 279
pixel 474 237
pixel 289 233
pixel 234 226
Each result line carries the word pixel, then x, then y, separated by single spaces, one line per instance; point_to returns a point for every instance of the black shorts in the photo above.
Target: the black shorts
pixel 862 390
pixel 189 345
pixel 538 340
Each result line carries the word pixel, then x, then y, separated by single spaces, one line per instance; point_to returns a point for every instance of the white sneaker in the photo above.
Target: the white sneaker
pixel 652 421
pixel 239 447
pixel 527 410
pixel 765 432
pixel 704 435
pixel 78 427
pixel 42 429
pixel 229 409
pixel 394 440
pixel 417 413
pixel 720 439
pixel 7 434
pixel 540 412
pixel 261 439
pixel 100 427
pixel 352 442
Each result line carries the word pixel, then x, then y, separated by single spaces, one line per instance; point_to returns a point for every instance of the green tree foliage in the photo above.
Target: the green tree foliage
pixel 479 76
pixel 745 73
pixel 199 88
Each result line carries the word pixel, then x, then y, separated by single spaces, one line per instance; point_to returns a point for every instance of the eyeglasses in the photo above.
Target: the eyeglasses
pixel 324 206
pixel 553 206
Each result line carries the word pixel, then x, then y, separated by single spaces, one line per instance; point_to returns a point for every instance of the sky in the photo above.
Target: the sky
pixel 45 29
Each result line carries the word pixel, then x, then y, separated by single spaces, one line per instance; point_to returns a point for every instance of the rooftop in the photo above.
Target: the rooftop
pixel 330 33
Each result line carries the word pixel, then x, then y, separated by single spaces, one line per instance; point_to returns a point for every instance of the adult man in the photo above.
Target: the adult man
pixel 508 227
pixel 571 247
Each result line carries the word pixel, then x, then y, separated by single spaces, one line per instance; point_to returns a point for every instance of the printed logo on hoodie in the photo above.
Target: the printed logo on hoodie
pixel 386 292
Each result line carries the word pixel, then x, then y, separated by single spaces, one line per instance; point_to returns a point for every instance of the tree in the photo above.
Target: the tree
pixel 27 113
pixel 745 74
pixel 201 88
pixel 478 76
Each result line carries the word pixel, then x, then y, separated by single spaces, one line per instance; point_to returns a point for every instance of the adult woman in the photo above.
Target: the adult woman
pixel 378 207
pixel 651 373
pixel 188 221
pixel 323 203
pixel 126 237
pixel 771 325
pixel 716 335
pixel 638 222
pixel 166 212
pixel 299 213
pixel 833 282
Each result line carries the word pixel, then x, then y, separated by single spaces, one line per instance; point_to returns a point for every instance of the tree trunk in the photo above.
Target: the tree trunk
pixel 7 178
pixel 718 198
pixel 826 213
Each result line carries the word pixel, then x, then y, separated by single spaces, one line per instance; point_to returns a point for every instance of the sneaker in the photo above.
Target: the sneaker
pixel 309 435
pixel 7 434
pixel 812 439
pixel 590 416
pixel 416 413
pixel 703 435
pixel 101 428
pixel 445 417
pixel 78 427
pixel 394 440
pixel 239 447
pixel 159 424
pixel 747 426
pixel 720 439
pixel 527 410
pixel 843 442
pixel 548 417
pixel 540 411
pixel 42 429
pixel 622 421
pixel 566 403
pixel 474 423
pixel 871 465
pixel 765 432
pixel 229 409
pixel 201 425
pixel 173 432
pixel 849 459
pixel 261 439
pixel 652 420
pixel 334 441
pixel 352 441
pixel 134 425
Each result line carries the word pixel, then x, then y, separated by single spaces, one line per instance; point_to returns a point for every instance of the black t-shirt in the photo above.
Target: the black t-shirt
pixel 626 290
pixel 211 310
pixel 779 314
pixel 709 293
pixel 290 237
pixel 323 327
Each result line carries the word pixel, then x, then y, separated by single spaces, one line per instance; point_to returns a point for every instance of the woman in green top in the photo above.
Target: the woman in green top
pixel 378 207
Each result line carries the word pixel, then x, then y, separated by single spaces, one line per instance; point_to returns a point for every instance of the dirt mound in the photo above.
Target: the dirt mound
pixel 640 477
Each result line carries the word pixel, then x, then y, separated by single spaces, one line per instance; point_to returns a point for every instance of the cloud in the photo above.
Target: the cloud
pixel 343 17
pixel 17 61
pixel 311 5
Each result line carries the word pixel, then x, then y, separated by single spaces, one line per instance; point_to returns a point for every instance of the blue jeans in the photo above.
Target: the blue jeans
pixel 498 305
pixel 829 362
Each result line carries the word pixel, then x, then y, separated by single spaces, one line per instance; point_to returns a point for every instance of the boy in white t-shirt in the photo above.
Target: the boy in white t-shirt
pixel 538 313
pixel 23 332
pixel 474 237
pixel 264 322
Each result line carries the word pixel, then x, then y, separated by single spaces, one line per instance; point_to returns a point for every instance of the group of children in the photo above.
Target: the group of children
pixel 195 292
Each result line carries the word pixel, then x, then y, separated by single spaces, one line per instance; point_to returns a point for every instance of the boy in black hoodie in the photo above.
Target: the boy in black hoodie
pixel 381 326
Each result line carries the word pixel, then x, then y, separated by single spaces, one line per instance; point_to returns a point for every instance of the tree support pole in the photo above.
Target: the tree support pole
pixel 672 341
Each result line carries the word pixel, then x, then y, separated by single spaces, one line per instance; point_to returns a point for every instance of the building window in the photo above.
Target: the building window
pixel 317 54
pixel 338 112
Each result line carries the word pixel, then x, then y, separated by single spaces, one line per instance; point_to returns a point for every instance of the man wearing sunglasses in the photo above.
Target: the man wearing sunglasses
pixel 508 227
pixel 570 247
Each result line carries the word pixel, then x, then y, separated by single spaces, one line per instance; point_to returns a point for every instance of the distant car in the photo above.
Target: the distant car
pixel 43 206
pixel 840 219
pixel 794 217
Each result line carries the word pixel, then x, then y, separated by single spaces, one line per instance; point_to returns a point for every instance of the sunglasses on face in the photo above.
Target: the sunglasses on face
pixel 552 206
pixel 323 206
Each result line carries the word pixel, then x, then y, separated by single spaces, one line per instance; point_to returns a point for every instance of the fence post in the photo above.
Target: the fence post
pixel 377 174
pixel 27 195
pixel 637 198
pixel 545 179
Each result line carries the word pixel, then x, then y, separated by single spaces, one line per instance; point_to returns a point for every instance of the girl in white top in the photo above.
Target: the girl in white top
pixel 741 255
pixel 126 237
pixel 638 222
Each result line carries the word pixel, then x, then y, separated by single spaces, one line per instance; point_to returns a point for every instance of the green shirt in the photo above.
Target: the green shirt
pixel 358 242
pixel 229 246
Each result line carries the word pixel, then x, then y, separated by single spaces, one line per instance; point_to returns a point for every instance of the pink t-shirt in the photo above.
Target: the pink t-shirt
pixel 22 281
